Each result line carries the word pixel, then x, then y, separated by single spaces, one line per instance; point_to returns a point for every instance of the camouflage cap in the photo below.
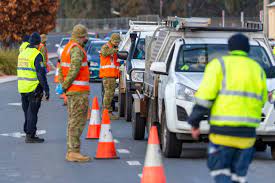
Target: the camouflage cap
pixel 79 31
pixel 43 38
pixel 115 37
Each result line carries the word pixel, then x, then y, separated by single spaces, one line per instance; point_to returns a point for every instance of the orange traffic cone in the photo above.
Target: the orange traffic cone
pixel 94 126
pixel 153 170
pixel 56 73
pixel 106 146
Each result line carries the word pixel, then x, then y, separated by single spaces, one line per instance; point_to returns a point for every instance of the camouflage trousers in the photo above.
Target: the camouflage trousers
pixel 109 85
pixel 77 117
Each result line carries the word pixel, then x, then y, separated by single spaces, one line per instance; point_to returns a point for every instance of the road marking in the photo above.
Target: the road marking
pixel 140 175
pixel 133 163
pixel 15 104
pixel 19 134
pixel 123 151
pixel 116 141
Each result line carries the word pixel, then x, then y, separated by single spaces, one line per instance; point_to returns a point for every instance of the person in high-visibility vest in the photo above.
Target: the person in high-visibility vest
pixel 233 92
pixel 32 85
pixel 43 49
pixel 109 71
pixel 25 43
pixel 74 77
pixel 274 50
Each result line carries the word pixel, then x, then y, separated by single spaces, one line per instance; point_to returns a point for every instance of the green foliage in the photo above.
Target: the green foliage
pixel 8 61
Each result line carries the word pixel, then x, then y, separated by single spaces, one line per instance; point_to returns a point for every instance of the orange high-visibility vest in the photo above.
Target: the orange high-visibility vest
pixel 39 48
pixel 109 66
pixel 47 58
pixel 81 83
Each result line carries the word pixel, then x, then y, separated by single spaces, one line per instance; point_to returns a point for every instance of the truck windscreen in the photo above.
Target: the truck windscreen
pixel 194 57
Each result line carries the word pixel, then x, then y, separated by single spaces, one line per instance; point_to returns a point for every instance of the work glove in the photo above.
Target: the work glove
pixel 47 95
pixel 59 89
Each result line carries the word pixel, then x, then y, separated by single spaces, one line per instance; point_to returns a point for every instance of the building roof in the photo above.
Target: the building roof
pixel 272 4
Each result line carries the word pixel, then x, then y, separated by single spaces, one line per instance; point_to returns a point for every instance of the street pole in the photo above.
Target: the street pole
pixel 160 8
pixel 266 2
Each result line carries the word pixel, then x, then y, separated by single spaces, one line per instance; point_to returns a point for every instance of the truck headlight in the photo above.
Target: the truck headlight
pixel 185 93
pixel 137 76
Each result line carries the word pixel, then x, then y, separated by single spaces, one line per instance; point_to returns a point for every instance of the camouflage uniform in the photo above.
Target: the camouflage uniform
pixel 43 49
pixel 109 84
pixel 78 102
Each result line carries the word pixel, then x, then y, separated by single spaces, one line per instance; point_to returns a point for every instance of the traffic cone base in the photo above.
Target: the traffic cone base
pixel 149 171
pixel 153 170
pixel 107 151
pixel 93 131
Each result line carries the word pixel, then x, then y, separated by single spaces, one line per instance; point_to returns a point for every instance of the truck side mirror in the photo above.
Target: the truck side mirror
pixel 159 68
pixel 123 55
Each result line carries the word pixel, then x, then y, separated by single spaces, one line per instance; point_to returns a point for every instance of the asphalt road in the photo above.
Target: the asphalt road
pixel 45 163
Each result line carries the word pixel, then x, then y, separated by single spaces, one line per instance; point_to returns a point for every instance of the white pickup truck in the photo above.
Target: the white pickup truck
pixel 174 70
pixel 133 68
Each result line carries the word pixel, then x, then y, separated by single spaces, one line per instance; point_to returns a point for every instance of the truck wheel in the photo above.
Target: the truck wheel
pixel 128 106
pixel 138 125
pixel 149 117
pixel 121 103
pixel 273 151
pixel 171 146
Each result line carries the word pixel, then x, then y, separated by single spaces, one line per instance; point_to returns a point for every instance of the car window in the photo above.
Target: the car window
pixel 95 48
pixel 194 57
pixel 64 42
pixel 140 50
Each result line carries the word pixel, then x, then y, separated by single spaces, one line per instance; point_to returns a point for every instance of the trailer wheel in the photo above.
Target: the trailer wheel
pixel 260 146
pixel 138 125
pixel 273 151
pixel 128 105
pixel 171 146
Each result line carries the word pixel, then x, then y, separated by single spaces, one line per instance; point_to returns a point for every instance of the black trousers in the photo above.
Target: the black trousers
pixel 31 103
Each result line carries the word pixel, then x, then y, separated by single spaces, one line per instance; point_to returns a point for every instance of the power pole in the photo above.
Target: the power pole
pixel 266 3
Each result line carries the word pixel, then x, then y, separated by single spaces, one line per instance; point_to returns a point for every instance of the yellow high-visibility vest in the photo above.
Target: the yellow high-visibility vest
pixel 26 72
pixel 23 46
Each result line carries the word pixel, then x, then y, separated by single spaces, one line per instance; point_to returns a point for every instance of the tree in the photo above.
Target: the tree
pixel 18 18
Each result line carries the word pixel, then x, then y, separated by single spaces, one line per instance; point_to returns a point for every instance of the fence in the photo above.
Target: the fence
pixel 107 24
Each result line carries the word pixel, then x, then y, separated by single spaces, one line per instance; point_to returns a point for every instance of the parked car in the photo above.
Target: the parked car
pixel 93 52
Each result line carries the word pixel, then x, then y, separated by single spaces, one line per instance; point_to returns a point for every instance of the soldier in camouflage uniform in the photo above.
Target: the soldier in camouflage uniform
pixel 78 102
pixel 109 83
pixel 43 49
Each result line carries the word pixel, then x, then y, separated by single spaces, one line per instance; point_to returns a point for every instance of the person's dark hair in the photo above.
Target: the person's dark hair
pixel 35 39
pixel 239 42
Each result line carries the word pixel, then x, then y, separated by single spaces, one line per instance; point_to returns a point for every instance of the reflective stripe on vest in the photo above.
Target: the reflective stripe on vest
pixel 69 65
pixel 109 67
pixel 26 72
pixel 81 83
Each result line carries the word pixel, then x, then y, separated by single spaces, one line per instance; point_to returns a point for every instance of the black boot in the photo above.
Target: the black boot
pixel 33 139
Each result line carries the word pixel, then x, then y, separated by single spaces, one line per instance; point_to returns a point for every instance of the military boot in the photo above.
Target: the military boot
pixel 77 157
pixel 33 139
pixel 113 117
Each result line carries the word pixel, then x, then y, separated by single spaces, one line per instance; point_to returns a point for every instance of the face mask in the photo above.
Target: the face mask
pixel 85 41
